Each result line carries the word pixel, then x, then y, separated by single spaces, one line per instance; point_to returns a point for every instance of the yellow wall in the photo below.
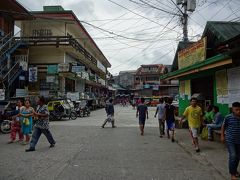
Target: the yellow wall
pixel 45 55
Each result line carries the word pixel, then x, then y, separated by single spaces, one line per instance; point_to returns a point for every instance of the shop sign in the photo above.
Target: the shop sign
pixel 52 69
pixel 33 74
pixel 76 69
pixel 146 86
pixel 64 67
pixel 193 54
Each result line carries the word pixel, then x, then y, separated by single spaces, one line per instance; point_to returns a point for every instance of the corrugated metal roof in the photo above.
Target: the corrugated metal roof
pixel 223 30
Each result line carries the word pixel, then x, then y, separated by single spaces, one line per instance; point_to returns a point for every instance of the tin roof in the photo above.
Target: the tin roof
pixel 223 30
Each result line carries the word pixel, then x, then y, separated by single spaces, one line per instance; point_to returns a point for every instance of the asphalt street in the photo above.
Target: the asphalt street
pixel 85 151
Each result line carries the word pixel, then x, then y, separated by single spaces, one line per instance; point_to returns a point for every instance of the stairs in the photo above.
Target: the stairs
pixel 8 45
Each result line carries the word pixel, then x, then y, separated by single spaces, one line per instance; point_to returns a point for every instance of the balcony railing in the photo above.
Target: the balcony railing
pixel 57 41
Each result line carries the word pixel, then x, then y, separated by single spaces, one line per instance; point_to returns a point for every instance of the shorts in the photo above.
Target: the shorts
pixel 170 125
pixel 194 132
pixel 142 121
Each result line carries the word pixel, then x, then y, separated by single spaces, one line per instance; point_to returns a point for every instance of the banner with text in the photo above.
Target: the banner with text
pixel 193 54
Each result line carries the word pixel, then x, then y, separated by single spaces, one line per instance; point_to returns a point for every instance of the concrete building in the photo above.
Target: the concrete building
pixel 126 79
pixel 62 55
pixel 147 81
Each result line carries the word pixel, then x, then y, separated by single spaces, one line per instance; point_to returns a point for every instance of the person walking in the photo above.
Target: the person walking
pixel 230 133
pixel 161 112
pixel 26 114
pixel 193 114
pixel 110 114
pixel 142 114
pixel 170 111
pixel 41 125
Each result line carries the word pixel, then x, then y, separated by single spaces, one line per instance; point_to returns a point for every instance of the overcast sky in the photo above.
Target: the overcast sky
pixel 140 32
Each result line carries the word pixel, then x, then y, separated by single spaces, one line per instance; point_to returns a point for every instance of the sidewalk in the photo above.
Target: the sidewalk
pixel 212 154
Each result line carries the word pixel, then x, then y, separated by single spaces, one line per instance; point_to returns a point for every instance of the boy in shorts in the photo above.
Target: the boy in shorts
pixel 193 114
pixel 142 113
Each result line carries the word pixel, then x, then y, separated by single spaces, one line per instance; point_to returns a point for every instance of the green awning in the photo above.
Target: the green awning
pixel 197 67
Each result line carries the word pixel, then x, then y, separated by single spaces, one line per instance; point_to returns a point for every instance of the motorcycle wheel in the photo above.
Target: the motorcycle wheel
pixel 73 115
pixel 6 126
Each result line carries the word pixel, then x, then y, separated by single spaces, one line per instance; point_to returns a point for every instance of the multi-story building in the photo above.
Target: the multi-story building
pixel 147 81
pixel 126 79
pixel 62 56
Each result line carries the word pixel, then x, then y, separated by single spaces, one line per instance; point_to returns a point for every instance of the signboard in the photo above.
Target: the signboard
pixel 193 54
pixel 52 69
pixel 221 83
pixel 188 88
pixel 77 69
pixel 2 94
pixel 85 75
pixel 50 79
pixel 73 96
pixel 101 66
pixel 23 61
pixel 155 87
pixel 146 86
pixel 33 74
pixel 21 93
pixel 64 67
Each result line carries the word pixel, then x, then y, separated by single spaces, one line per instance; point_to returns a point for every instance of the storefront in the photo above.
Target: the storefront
pixel 210 68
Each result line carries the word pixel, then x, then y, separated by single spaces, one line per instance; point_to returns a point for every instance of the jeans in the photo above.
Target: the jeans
pixel 161 126
pixel 234 156
pixel 212 127
pixel 36 135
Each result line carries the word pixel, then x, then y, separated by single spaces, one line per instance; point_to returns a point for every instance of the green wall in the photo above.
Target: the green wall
pixel 184 102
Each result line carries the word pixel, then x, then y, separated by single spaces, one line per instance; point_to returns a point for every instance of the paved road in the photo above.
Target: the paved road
pixel 85 151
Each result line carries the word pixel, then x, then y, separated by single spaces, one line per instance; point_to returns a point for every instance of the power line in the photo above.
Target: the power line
pixel 135 13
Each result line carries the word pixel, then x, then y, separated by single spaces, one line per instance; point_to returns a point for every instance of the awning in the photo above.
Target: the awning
pixel 210 63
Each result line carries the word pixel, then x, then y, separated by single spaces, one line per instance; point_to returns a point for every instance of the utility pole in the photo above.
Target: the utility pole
pixel 185 22
pixel 188 5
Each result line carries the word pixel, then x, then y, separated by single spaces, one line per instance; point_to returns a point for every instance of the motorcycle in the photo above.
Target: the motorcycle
pixel 82 109
pixel 5 123
pixel 62 111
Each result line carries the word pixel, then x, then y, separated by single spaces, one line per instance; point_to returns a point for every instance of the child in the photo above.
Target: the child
pixel 26 114
pixel 16 124
pixel 193 113
pixel 170 118
pixel 142 113
pixel 231 126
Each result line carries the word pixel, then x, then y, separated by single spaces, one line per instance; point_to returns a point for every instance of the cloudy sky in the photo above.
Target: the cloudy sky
pixel 135 32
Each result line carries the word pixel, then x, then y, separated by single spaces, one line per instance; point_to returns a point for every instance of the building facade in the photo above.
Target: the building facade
pixel 147 81
pixel 209 69
pixel 62 57
pixel 126 79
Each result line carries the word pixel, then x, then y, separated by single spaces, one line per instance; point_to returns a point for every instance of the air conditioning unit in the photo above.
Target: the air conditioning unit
pixel 191 5
pixel 179 2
